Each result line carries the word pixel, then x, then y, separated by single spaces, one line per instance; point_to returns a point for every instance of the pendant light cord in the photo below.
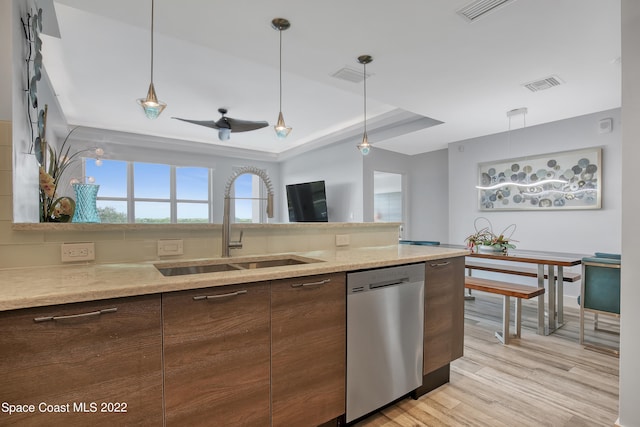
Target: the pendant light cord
pixel 280 69
pixel 365 97
pixel 152 4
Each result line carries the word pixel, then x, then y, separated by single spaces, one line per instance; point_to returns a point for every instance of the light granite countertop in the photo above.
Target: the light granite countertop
pixel 42 286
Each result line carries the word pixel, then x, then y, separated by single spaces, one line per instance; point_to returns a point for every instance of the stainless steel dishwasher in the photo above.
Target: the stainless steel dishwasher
pixel 385 322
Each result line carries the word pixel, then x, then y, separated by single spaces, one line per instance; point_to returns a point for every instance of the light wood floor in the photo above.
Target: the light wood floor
pixel 534 381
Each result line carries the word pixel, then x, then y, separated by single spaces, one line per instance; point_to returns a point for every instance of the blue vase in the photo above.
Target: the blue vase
pixel 86 210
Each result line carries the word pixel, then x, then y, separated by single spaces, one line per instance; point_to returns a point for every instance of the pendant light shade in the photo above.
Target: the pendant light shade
pixel 282 130
pixel 364 146
pixel 151 105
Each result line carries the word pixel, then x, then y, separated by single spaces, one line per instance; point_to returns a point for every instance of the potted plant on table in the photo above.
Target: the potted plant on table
pixel 485 240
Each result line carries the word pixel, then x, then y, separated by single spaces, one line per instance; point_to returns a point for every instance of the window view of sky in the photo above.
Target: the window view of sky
pixel 243 189
pixel 153 181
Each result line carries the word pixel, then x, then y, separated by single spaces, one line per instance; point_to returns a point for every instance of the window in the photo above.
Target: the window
pixel 192 194
pixel 248 192
pixel 112 195
pixel 150 192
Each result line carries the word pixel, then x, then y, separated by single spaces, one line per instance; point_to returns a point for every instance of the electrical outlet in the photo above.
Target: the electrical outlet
pixel 342 240
pixel 74 252
pixel 170 247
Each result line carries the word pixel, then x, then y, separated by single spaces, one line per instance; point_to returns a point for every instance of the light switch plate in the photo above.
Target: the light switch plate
pixel 74 252
pixel 170 247
pixel 342 240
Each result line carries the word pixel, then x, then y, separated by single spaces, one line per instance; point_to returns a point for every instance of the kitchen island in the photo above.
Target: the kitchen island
pixel 254 346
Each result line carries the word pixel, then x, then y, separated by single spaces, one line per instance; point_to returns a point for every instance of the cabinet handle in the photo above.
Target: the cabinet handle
pixel 231 294
pixel 321 282
pixel 76 316
pixel 441 264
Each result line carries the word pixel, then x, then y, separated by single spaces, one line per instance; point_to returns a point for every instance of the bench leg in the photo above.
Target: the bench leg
pixel 506 319
pixel 540 299
pixel 518 317
pixel 541 328
pixel 467 295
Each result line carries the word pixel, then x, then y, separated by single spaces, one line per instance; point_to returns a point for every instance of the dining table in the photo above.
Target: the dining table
pixel 550 275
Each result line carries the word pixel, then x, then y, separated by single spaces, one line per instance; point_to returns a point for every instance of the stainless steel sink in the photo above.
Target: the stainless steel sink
pixel 271 263
pixel 195 269
pixel 232 264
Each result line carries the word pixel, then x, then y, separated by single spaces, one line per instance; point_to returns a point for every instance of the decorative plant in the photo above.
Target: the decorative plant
pixel 52 207
pixel 485 237
pixel 52 166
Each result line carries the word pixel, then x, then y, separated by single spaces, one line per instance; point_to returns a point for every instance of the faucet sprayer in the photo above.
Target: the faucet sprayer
pixel 226 220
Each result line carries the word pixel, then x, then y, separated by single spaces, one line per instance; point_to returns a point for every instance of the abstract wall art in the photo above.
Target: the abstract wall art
pixel 556 181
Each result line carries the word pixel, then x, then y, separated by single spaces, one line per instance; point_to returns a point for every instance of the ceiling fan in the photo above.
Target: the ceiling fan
pixel 226 125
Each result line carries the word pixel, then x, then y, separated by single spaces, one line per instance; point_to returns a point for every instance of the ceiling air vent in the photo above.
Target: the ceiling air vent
pixel 479 8
pixel 350 74
pixel 542 84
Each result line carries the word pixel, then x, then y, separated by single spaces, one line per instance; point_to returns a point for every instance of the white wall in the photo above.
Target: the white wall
pixel 426 191
pixel 630 292
pixel 340 166
pixel 429 193
pixel 6 29
pixel 561 231
pixel 386 161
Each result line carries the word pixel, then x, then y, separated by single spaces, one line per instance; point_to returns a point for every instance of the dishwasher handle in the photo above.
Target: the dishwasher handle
pixel 388 283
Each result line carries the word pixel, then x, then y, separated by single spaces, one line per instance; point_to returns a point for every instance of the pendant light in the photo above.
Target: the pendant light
pixel 364 146
pixel 282 131
pixel 151 106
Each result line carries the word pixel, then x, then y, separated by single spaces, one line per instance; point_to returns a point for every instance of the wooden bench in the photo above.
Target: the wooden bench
pixel 518 271
pixel 508 290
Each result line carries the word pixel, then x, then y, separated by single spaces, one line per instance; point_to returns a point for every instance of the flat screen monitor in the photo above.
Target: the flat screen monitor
pixel 307 202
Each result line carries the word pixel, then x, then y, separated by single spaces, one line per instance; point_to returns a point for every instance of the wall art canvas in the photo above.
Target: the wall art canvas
pixel 556 181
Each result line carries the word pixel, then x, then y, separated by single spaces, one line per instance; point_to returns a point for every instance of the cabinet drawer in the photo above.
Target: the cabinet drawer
pixel 216 356
pixel 308 349
pixel 444 312
pixel 84 359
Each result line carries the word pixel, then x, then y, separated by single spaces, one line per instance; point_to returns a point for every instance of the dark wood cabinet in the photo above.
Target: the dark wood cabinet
pixel 217 356
pixel 308 353
pixel 444 313
pixel 256 354
pixel 96 363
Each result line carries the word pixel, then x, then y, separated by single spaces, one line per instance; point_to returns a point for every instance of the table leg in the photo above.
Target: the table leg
pixel 541 300
pixel 552 309
pixel 560 298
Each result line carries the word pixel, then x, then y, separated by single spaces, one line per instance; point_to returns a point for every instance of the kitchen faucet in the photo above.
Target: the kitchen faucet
pixel 226 220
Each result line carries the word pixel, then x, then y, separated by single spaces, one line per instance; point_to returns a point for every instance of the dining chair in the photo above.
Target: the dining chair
pixel 600 293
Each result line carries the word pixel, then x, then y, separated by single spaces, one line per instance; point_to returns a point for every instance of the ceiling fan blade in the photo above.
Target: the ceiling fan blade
pixel 245 125
pixel 207 123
